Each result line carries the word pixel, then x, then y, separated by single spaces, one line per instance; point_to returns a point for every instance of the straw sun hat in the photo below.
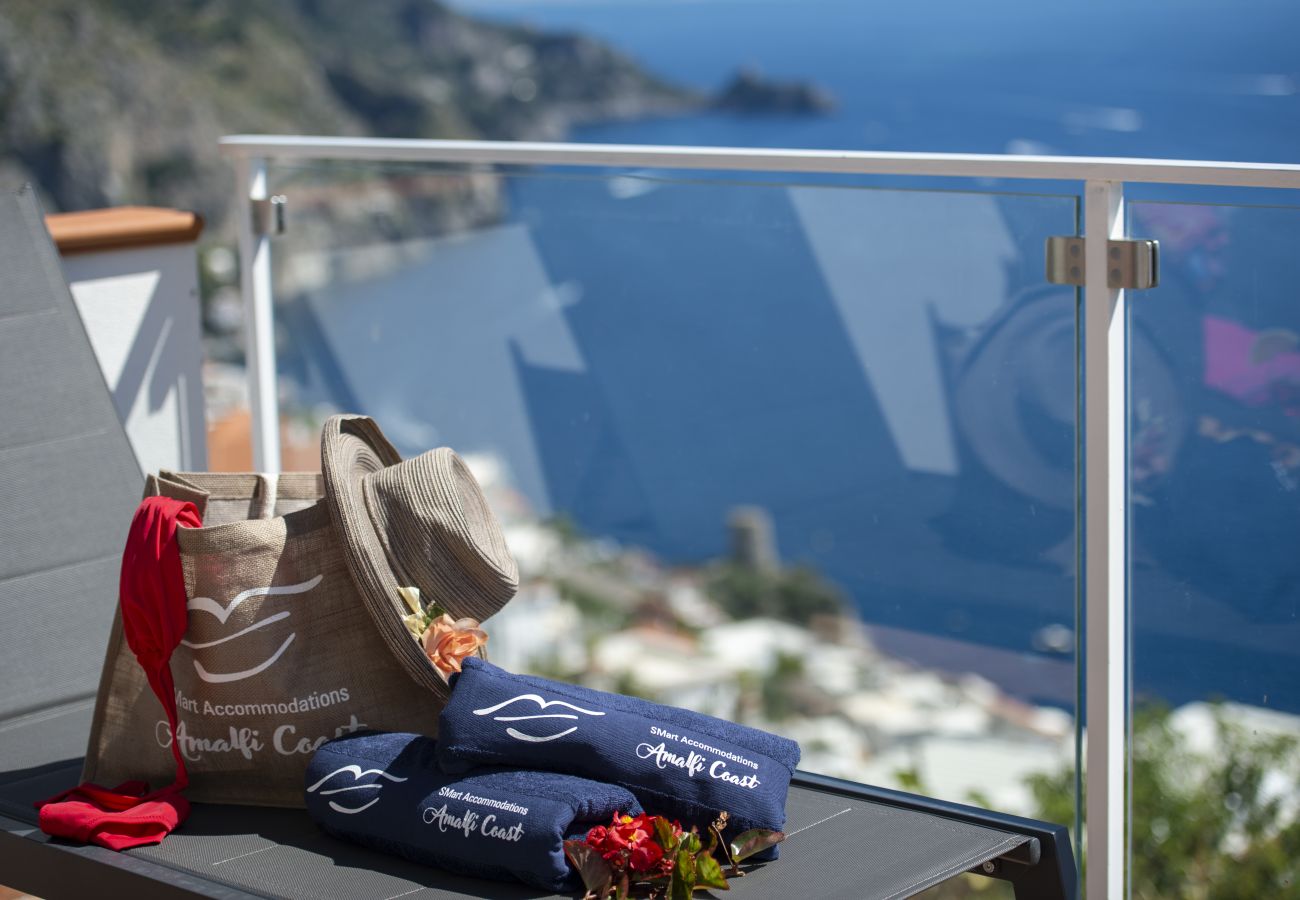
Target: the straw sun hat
pixel 420 522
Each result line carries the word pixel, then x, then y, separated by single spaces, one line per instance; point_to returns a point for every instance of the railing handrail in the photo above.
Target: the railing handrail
pixel 750 159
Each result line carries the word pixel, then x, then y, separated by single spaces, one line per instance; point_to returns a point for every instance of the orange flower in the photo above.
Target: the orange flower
pixel 448 641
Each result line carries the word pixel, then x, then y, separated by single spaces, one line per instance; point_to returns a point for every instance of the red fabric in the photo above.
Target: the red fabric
pixel 119 819
pixel 152 594
pixel 154 618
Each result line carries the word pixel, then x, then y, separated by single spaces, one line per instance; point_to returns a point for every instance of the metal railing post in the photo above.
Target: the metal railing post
pixel 259 334
pixel 1105 374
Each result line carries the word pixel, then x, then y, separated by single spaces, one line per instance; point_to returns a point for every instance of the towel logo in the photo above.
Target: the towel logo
pixel 693 764
pixel 468 823
pixel 541 705
pixel 222 614
pixel 357 774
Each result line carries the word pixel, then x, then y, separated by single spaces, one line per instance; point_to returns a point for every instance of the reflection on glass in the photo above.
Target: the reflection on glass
pixel 801 456
pixel 1215 486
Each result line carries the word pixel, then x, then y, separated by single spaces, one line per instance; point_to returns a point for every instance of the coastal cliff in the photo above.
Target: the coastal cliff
pixel 106 102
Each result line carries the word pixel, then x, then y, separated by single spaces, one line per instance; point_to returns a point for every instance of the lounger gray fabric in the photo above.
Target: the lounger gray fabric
pixel 68 484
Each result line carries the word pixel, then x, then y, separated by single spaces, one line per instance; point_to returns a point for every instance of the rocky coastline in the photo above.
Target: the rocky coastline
pixel 112 102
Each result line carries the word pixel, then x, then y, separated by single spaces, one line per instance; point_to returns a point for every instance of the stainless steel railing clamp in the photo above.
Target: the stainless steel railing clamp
pixel 1133 265
pixel 269 215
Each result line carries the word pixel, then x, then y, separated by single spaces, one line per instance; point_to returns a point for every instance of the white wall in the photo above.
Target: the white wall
pixel 141 310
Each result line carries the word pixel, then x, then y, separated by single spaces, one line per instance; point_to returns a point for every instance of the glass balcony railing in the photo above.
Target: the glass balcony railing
pixel 734 422
pixel 1214 482
pixel 827 454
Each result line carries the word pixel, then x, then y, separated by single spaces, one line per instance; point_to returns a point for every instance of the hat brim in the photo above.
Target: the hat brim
pixel 353 447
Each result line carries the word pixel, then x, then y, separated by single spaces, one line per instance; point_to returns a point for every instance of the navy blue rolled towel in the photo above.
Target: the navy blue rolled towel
pixel 384 790
pixel 678 763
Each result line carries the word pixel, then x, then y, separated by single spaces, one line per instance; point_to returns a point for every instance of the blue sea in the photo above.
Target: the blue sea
pixel 1179 79
pixel 885 372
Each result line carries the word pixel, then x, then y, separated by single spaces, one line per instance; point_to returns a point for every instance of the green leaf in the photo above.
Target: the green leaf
pixel 596 874
pixel 709 874
pixel 664 835
pixel 691 842
pixel 753 841
pixel 683 883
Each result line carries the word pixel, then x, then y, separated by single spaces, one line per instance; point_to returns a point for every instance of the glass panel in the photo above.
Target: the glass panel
pixel 1215 577
pixel 797 455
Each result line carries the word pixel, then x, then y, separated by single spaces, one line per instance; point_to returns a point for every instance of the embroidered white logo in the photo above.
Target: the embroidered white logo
pixel 357 774
pixel 541 705
pixel 222 614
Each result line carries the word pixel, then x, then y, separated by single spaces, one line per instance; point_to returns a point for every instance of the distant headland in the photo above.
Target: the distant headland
pixel 751 93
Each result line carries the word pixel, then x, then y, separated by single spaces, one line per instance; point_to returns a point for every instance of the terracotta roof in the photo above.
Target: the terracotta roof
pixel 230 447
pixel 97 230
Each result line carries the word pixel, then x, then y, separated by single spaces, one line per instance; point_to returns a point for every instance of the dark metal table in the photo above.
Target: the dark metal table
pixel 845 840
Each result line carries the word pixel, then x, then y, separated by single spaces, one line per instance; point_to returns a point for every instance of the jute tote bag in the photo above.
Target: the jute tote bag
pixel 282 651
